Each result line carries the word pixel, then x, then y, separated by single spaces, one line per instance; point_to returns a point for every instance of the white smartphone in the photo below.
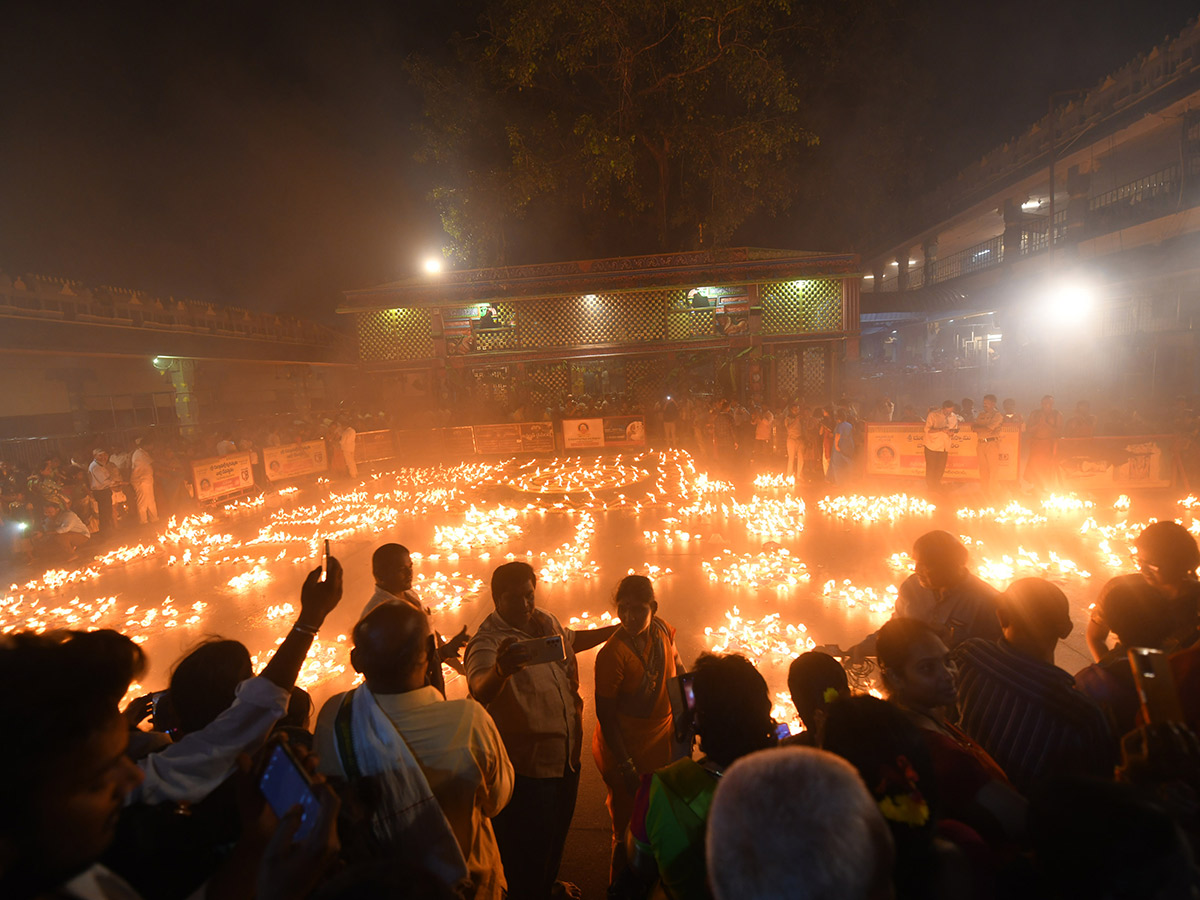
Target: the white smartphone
pixel 544 649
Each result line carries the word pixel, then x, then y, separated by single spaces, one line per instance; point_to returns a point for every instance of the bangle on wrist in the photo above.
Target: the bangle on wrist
pixel 305 629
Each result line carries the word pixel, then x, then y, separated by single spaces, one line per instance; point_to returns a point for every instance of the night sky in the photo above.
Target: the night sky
pixel 260 154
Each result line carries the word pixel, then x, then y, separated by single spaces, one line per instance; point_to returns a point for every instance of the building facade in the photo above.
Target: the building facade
pixel 758 324
pixel 1066 260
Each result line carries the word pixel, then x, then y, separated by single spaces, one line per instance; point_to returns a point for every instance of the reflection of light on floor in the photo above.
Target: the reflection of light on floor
pixel 259 547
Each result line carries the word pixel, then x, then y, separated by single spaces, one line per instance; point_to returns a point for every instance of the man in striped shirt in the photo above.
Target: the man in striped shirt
pixel 1023 709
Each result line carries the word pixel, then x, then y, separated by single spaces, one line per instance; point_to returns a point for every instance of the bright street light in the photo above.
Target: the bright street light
pixel 433 266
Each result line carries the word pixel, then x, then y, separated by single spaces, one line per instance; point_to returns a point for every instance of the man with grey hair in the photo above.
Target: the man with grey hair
pixel 796 823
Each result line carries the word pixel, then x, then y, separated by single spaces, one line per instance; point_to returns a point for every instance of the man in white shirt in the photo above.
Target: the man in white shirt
pixel 103 476
pixel 141 477
pixel 940 424
pixel 454 742
pixel 392 567
pixel 63 531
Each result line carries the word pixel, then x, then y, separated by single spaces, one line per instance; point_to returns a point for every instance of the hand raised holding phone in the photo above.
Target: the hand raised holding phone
pixel 513 655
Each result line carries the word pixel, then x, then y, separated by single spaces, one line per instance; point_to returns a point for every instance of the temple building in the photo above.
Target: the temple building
pixel 759 324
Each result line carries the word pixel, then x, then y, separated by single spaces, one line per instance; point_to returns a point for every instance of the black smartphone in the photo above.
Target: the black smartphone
pixel 1155 685
pixel 682 695
pixel 286 784
pixel 324 561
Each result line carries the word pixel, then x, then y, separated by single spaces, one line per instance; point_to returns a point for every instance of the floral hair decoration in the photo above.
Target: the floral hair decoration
pixel 902 801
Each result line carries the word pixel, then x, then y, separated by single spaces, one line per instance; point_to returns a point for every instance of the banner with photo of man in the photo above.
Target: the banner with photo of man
pixel 291 460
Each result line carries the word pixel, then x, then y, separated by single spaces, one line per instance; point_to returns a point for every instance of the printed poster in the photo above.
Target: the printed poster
pixel 899 449
pixel 1118 462
pixel 581 434
pixel 624 431
pixel 222 476
pixel 537 437
pixel 291 460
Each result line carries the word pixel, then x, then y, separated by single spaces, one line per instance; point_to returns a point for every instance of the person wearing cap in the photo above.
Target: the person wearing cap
pixel 940 424
pixel 1018 705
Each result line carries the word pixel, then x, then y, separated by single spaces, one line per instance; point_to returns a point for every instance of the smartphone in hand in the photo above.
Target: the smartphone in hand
pixel 1155 686
pixel 285 784
pixel 325 561
pixel 544 649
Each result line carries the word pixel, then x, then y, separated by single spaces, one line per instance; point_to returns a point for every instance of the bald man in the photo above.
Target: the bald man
pixel 392 568
pixel 455 742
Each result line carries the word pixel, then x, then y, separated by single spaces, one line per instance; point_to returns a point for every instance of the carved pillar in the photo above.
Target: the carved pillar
pixel 183 380
pixel 1013 218
pixel 1079 184
pixel 930 251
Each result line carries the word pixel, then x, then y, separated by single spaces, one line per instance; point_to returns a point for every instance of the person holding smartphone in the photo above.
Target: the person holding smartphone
pixel 539 712
pixel 633 710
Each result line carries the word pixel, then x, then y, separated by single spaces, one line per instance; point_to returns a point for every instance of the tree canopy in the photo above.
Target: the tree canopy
pixel 624 124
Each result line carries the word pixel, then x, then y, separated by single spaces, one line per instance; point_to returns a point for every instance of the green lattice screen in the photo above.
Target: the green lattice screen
pixel 814 373
pixel 799 307
pixel 597 319
pixel 787 375
pixel 390 334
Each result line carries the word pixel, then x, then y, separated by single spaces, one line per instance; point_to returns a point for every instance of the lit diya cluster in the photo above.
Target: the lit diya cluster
pixel 851 596
pixel 572 476
pixel 770 518
pixel 867 510
pixel 585 621
pixel 769 643
pixel 570 560
pixel 1029 564
pixel 445 593
pixel 1012 514
pixel 774 481
pixel 778 569
pixel 488 527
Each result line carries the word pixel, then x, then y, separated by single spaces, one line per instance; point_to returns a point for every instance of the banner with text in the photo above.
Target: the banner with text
pixel 221 476
pixel 581 434
pixel 373 445
pixel 290 460
pixel 518 437
pixel 1119 463
pixel 899 449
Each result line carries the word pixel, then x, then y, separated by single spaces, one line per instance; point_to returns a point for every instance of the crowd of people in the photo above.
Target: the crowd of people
pixel 102 490
pixel 987 770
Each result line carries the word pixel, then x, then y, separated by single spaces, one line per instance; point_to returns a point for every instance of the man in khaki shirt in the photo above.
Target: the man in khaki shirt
pixel 987 427
pixel 539 712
